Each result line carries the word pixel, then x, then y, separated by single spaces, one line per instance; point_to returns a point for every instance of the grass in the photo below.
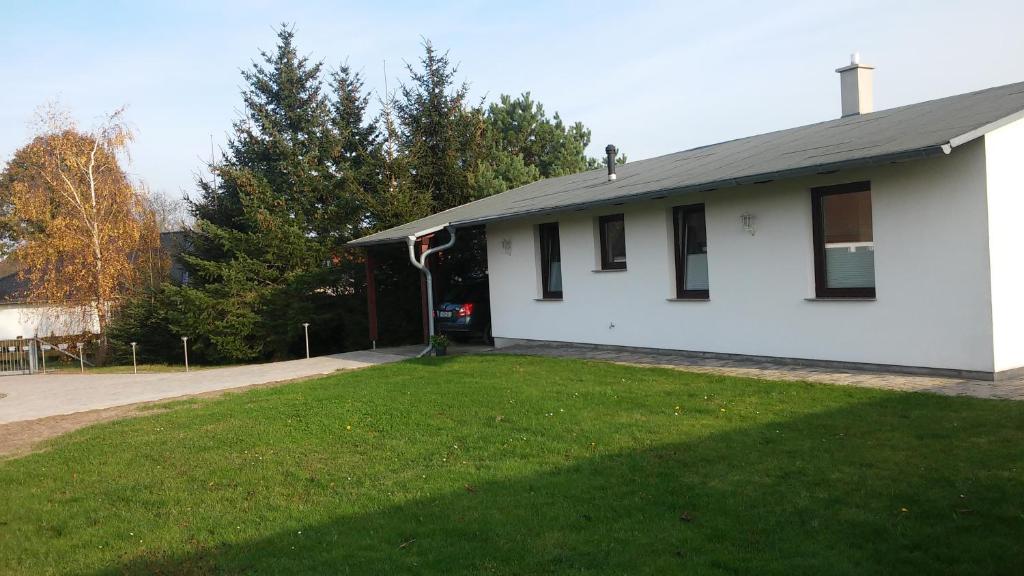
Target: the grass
pixel 515 465
pixel 124 369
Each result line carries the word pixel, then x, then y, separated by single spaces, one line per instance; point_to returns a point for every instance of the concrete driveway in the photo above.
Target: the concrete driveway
pixel 37 396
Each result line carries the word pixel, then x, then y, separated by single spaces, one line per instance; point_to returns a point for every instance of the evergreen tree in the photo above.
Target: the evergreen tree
pixel 358 159
pixel 521 127
pixel 305 171
pixel 394 200
pixel 523 144
pixel 269 230
pixel 442 135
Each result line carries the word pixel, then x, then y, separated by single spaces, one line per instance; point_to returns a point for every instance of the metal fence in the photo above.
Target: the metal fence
pixel 18 356
pixel 29 355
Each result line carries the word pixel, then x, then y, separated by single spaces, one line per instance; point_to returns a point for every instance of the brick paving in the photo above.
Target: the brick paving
pixel 1004 389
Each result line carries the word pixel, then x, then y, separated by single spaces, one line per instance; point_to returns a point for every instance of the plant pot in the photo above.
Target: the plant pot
pixel 439 351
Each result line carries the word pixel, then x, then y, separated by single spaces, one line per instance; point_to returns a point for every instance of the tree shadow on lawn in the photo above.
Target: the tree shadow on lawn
pixel 876 487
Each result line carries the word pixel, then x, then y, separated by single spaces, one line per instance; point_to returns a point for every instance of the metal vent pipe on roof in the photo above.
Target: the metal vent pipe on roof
pixel 612 152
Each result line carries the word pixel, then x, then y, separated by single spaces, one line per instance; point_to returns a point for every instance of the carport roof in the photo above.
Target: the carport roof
pixel 897 134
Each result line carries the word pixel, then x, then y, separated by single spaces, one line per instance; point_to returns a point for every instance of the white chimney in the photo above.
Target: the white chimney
pixel 856 83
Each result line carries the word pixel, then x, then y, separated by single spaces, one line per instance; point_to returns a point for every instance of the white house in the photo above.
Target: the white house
pixel 21 318
pixel 882 239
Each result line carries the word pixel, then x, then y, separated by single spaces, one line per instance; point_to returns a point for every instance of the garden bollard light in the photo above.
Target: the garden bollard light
pixel 135 367
pixel 305 326
pixel 42 354
pixel 184 342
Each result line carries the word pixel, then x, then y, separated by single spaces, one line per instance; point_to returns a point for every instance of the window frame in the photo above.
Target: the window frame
pixel 679 214
pixel 545 267
pixel 821 287
pixel 606 260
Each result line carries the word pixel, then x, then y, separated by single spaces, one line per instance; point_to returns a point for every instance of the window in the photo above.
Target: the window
pixel 613 242
pixel 691 249
pixel 550 261
pixel 844 248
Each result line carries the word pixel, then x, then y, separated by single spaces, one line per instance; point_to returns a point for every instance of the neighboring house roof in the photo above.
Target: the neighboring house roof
pixel 174 243
pixel 12 289
pixel 908 132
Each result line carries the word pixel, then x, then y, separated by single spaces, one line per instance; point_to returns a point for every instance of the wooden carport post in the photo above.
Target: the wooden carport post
pixel 424 246
pixel 371 296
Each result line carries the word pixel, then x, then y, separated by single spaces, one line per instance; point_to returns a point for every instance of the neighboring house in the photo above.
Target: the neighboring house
pixel 19 316
pixel 880 238
pixel 173 244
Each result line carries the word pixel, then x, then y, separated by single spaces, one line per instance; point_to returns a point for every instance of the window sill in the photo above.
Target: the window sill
pixel 547 299
pixel 841 299
pixel 610 270
pixel 688 299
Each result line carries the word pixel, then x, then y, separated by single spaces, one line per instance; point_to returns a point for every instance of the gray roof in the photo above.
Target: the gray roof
pixel 908 132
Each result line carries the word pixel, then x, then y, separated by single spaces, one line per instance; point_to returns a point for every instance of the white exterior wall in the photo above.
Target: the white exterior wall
pixel 28 320
pixel 1004 154
pixel 933 306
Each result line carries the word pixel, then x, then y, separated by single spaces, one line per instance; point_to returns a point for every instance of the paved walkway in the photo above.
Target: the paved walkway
pixel 1004 389
pixel 37 396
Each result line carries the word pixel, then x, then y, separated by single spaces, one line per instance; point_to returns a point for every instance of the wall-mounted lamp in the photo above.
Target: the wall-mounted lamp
pixel 747 221
pixel 506 246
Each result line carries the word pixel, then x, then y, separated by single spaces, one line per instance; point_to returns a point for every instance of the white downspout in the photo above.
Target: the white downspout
pixel 422 265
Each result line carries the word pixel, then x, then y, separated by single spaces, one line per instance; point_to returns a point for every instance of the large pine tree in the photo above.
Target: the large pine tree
pixel 393 199
pixel 267 245
pixel 519 126
pixel 305 171
pixel 442 134
pixel 523 144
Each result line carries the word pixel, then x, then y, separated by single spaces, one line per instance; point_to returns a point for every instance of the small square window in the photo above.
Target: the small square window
pixel 613 242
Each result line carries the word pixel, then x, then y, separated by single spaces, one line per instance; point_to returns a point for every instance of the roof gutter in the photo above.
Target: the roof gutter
pixel 906 155
pixel 358 243
pixel 429 231
pixel 982 130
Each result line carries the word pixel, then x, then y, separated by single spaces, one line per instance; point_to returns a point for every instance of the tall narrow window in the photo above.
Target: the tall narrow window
pixel 844 247
pixel 613 242
pixel 691 248
pixel 550 261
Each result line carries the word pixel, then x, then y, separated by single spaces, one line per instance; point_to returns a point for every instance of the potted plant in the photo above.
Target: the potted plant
pixel 440 344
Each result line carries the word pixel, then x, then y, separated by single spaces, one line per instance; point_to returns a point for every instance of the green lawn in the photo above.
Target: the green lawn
pixel 72 368
pixel 515 465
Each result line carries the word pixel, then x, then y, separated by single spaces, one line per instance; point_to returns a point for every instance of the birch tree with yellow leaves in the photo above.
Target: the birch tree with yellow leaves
pixel 73 219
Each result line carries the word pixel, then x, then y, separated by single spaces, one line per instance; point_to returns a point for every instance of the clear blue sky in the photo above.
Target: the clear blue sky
pixel 653 78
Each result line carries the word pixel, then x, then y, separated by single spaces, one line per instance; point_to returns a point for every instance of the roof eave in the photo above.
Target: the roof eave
pixel 936 150
pixel 365 242
pixel 982 130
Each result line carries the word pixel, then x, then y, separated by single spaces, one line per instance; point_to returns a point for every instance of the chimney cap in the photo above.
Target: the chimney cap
pixel 854 64
pixel 610 149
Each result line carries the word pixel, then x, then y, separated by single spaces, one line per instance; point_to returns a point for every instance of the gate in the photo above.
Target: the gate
pixel 19 356
pixel 28 355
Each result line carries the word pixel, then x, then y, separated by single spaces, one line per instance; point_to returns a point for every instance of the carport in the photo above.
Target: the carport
pixel 449 266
